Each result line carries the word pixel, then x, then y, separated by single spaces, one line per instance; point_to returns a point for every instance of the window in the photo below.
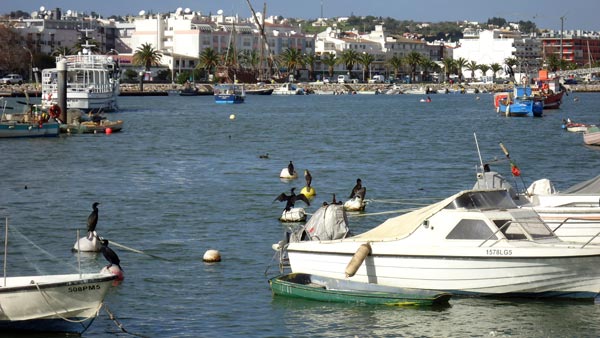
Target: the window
pixel 471 229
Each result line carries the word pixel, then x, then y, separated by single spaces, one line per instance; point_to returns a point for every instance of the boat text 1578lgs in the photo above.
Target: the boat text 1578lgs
pixel 472 243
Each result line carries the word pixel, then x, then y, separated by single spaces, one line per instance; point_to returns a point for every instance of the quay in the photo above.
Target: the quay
pixel 154 89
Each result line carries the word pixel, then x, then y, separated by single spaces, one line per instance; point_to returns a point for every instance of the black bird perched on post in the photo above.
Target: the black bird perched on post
pixel 291 199
pixel 291 168
pixel 110 255
pixel 307 177
pixel 92 220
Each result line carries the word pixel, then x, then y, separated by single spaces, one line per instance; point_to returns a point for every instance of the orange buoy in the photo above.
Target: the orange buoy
pixel 359 257
pixel 108 131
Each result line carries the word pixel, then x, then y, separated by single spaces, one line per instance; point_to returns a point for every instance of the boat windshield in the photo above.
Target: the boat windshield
pixel 483 200
pixel 523 226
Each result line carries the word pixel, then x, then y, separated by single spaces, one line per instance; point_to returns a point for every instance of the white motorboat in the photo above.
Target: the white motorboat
pixel 288 89
pixel 472 243
pixel 573 214
pixel 64 303
pixel 92 82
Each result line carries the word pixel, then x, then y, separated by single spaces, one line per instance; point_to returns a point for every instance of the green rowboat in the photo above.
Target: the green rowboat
pixel 328 289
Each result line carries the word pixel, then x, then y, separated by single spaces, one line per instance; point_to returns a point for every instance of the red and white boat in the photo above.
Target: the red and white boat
pixel 550 89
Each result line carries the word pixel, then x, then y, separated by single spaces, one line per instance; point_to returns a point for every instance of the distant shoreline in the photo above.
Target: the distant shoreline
pixel 153 89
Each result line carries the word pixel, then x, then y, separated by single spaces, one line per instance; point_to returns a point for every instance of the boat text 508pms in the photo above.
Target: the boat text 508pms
pixel 92 82
pixel 472 243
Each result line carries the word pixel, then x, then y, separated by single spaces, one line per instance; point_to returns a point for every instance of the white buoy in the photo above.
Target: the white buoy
pixel 232 117
pixel 285 174
pixel 211 256
pixel 84 244
pixel 355 204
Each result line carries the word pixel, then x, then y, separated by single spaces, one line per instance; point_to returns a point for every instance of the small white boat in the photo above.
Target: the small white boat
pixel 288 89
pixel 472 243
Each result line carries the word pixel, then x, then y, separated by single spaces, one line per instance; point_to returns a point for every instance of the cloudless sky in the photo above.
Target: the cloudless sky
pixel 546 14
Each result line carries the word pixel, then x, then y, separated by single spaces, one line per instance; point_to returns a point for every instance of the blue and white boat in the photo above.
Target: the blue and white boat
pixel 521 102
pixel 27 124
pixel 229 93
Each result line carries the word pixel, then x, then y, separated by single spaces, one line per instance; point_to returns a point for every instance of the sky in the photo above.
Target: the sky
pixel 546 14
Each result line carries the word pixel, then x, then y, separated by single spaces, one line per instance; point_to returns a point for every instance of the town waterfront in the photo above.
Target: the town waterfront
pixel 184 177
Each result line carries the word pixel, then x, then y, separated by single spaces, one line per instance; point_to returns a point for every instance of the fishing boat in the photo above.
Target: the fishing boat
pixel 229 93
pixel 591 136
pixel 30 123
pixel 92 81
pixel 477 243
pixel 520 102
pixel 575 127
pixel 550 89
pixel 326 289
pixel 80 123
pixel 288 89
pixel 59 303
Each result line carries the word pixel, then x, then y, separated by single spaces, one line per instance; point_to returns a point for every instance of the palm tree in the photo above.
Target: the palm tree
pixel 449 66
pixel 330 60
pixel 146 56
pixel 428 65
pixel 495 67
pixel 309 60
pixel 62 51
pixel 460 63
pixel 366 60
pixel 413 59
pixel 472 66
pixel 349 58
pixel 208 60
pixel 484 68
pixel 292 59
pixel 396 63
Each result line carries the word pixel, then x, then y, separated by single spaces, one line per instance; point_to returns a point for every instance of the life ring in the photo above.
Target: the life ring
pixel 54 111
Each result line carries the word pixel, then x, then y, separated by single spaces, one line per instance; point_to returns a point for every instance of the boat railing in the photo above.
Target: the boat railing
pixel 83 87
pixel 90 61
pixel 575 219
pixel 500 229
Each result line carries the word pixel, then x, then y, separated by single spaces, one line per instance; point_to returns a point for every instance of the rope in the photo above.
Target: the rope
pixel 118 324
pixel 65 318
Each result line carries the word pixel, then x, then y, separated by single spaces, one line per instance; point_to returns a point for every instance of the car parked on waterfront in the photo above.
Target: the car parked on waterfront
pixel 12 79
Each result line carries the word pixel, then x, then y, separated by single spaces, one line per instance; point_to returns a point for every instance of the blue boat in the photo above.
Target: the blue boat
pixel 229 93
pixel 27 124
pixel 521 102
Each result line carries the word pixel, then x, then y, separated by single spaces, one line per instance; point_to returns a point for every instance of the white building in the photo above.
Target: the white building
pixel 495 46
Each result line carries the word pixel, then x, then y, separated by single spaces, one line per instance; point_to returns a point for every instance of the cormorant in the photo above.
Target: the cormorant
pixel 307 177
pixel 356 188
pixel 92 220
pixel 291 199
pixel 291 169
pixel 110 255
pixel 264 156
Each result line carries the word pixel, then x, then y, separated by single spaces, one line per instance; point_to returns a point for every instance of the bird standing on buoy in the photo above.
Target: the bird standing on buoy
pixel 291 199
pixel 92 221
pixel 307 177
pixel 110 255
pixel 357 188
pixel 291 170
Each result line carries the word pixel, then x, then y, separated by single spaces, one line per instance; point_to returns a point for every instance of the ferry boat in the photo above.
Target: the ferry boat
pixel 92 82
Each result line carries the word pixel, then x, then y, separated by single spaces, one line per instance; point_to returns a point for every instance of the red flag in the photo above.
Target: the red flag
pixel 514 169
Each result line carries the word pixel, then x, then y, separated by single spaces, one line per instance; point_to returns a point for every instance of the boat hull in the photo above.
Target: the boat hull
pixel 228 98
pixel 325 289
pixel 591 138
pixel 553 101
pixel 40 303
pixel 498 271
pixel 15 130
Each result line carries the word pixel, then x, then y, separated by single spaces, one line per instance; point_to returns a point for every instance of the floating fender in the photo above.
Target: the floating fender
pixel 86 245
pixel 212 256
pixel 286 174
pixel 359 257
pixel 309 192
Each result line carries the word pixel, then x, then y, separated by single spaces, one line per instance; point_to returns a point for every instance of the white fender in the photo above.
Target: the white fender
pixel 359 257
pixel 286 174
pixel 86 245
pixel 294 215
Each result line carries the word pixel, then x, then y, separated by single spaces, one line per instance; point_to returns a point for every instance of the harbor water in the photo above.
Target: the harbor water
pixel 185 176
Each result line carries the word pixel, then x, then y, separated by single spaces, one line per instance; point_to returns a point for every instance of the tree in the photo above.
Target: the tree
pixel 483 68
pixel 366 60
pixel 413 59
pixel 428 65
pixel 208 60
pixel 292 59
pixel 330 60
pixel 13 57
pixel 449 67
pixel 309 60
pixel 396 63
pixel 460 63
pixel 495 67
pixel 146 56
pixel 62 50
pixel 349 58
pixel 472 66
